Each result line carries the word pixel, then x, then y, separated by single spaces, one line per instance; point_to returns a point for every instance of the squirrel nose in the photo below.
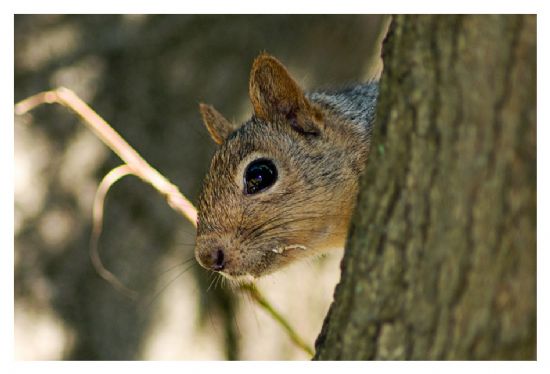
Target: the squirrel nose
pixel 214 260
pixel 219 260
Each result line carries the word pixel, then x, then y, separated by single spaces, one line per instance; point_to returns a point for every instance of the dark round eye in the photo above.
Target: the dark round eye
pixel 259 175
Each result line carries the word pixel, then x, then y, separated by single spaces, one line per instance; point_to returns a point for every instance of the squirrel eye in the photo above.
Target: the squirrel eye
pixel 260 174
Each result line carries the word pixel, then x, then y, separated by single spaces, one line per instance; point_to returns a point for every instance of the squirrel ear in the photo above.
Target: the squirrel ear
pixel 274 94
pixel 218 127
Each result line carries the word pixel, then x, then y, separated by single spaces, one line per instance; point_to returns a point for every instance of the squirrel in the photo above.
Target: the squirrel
pixel 282 186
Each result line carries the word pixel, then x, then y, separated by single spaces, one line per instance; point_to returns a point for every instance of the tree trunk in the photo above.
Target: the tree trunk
pixel 441 257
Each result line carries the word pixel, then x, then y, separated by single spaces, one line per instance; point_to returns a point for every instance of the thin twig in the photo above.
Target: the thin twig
pixel 97 224
pixel 136 165
pixel 260 299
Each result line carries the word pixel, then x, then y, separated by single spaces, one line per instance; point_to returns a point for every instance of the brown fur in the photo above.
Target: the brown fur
pixel 218 127
pixel 319 156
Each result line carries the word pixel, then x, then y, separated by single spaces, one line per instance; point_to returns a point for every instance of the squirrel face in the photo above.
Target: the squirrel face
pixel 280 187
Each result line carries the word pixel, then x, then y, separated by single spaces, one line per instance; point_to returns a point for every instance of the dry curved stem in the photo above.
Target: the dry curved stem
pixel 97 224
pixel 136 165
pixel 116 143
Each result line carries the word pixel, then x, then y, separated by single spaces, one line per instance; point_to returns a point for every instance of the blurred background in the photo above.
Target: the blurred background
pixel 146 75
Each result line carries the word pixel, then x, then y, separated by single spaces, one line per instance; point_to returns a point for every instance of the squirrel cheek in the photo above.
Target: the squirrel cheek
pixel 329 236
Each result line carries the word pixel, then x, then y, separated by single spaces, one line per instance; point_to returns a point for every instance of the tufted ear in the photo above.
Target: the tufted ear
pixel 218 127
pixel 275 95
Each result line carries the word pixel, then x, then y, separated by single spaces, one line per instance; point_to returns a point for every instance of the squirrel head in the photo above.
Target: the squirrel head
pixel 281 186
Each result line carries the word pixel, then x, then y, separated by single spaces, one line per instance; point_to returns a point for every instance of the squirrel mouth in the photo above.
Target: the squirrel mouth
pixel 281 250
pixel 245 277
pixel 240 278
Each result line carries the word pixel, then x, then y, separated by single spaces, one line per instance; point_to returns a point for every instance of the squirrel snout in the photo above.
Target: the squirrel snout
pixel 213 259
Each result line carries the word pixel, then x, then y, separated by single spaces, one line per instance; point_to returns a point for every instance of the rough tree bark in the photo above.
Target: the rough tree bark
pixel 441 257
